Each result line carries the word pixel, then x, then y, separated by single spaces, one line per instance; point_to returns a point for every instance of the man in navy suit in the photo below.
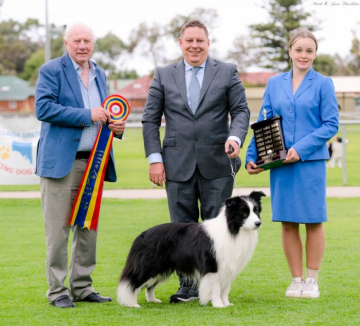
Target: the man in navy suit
pixel 69 93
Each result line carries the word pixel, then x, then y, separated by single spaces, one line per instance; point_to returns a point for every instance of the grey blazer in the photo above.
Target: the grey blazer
pixel 195 140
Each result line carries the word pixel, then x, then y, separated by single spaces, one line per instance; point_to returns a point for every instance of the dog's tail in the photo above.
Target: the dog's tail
pixel 126 296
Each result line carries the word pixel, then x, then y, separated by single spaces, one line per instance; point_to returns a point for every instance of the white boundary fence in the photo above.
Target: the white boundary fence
pixel 342 128
pixel 343 124
pixel 12 129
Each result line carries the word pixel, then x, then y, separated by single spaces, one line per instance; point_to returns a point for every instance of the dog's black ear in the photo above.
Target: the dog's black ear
pixel 231 201
pixel 256 195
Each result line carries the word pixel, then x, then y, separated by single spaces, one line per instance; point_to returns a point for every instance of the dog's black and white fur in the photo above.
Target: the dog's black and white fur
pixel 211 253
pixel 336 153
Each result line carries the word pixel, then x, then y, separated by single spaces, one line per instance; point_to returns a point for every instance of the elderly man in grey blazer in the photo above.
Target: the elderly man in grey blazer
pixel 197 95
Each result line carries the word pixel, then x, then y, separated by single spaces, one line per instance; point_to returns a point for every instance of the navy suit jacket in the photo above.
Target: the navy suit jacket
pixel 59 105
pixel 309 117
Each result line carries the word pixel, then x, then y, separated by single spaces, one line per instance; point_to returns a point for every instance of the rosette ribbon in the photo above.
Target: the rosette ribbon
pixel 86 209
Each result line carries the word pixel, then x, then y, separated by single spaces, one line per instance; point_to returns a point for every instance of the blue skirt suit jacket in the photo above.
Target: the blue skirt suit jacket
pixel 309 120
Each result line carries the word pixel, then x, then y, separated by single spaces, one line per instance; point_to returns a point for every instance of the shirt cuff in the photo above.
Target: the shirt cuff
pixel 155 158
pixel 236 139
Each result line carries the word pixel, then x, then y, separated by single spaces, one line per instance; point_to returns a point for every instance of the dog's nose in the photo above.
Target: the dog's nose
pixel 258 224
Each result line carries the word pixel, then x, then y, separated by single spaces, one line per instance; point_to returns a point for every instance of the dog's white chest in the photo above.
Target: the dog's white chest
pixel 239 252
pixel 232 252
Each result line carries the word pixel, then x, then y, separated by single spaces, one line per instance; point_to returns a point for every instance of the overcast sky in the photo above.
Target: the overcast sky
pixel 120 17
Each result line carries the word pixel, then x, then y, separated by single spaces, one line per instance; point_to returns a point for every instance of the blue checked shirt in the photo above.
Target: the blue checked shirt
pixel 91 98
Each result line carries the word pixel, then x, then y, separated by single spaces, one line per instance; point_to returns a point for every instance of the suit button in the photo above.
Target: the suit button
pixel 290 132
pixel 291 121
pixel 291 110
pixel 195 121
pixel 77 139
pixel 196 140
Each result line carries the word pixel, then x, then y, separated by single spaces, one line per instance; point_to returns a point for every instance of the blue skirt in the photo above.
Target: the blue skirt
pixel 298 192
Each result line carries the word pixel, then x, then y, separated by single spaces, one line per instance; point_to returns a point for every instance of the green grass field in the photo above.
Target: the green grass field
pixel 132 166
pixel 257 294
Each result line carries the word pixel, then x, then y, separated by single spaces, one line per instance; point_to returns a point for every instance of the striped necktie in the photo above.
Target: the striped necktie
pixel 194 89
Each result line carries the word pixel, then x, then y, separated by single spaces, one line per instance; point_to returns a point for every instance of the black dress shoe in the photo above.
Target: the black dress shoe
pixel 63 301
pixel 95 297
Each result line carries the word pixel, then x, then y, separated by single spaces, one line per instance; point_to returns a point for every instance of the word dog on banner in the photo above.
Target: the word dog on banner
pixel 18 143
pixel 86 209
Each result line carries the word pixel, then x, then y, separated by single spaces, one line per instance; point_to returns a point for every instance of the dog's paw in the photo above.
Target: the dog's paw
pixel 155 300
pixel 226 302
pixel 218 304
pixel 136 306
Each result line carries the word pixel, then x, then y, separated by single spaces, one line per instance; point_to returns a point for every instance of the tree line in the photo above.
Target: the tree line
pixel 265 44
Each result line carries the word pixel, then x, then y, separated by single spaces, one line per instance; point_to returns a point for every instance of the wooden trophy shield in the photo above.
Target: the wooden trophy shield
pixel 270 143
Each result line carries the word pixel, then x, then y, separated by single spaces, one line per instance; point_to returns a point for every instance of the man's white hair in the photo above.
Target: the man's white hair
pixel 77 25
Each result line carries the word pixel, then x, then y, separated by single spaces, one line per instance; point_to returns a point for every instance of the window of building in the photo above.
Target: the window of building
pixel 12 105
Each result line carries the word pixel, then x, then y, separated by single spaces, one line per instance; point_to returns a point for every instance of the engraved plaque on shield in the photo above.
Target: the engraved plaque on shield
pixel 270 144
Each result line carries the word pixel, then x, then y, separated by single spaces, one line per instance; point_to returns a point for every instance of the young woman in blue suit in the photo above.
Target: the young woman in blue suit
pixel 307 102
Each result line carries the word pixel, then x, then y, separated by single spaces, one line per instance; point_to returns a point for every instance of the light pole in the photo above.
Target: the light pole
pixel 1 2
pixel 64 48
pixel 48 40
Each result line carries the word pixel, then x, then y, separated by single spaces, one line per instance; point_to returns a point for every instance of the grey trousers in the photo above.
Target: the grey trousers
pixel 57 198
pixel 184 197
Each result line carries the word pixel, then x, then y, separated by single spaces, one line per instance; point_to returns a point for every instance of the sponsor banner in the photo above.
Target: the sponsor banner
pixel 18 145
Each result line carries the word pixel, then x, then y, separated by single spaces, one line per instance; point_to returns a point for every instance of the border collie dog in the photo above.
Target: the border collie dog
pixel 211 253
pixel 336 153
